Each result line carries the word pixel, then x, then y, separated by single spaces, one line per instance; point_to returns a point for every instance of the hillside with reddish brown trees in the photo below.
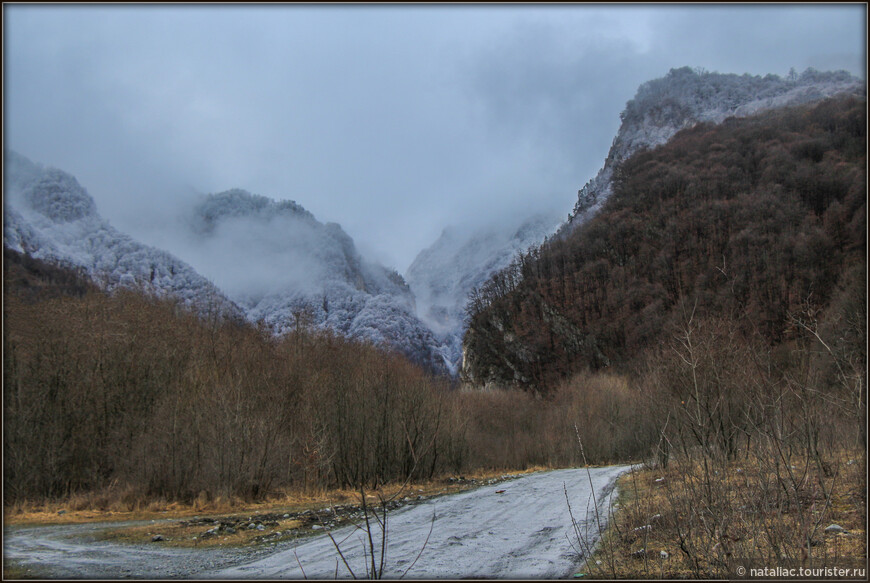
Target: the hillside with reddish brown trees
pixel 756 220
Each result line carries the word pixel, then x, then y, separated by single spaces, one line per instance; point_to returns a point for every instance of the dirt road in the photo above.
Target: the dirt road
pixel 73 552
pixel 517 529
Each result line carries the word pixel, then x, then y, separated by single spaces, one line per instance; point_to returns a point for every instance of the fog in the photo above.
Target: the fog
pixel 248 258
pixel 393 121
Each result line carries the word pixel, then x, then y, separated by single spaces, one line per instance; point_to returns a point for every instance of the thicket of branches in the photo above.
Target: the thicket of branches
pixel 137 394
pixel 132 389
pixel 759 451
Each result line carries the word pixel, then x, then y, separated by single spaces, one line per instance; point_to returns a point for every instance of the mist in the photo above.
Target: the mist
pixel 393 121
pixel 249 258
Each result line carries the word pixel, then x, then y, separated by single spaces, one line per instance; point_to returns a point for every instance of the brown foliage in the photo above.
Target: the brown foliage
pixel 131 390
pixel 135 398
pixel 753 217
pixel 759 451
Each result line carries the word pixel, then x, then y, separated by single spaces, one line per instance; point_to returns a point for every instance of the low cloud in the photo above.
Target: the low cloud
pixel 392 121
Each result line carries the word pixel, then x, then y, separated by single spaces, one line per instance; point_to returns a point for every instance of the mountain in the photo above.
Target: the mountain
pixel 443 275
pixel 51 217
pixel 685 97
pixel 753 225
pixel 274 263
pixel 285 268
pixel 262 260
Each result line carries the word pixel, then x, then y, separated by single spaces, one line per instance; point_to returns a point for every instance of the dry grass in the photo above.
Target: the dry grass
pixel 739 522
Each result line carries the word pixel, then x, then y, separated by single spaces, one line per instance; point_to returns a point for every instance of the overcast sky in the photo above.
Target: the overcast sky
pixel 394 121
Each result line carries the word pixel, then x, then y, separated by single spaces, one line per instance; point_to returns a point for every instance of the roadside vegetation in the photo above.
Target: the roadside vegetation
pixel 760 461
pixel 675 523
pixel 108 506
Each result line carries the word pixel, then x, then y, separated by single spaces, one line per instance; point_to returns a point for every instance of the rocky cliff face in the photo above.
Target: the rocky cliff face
pixel 685 97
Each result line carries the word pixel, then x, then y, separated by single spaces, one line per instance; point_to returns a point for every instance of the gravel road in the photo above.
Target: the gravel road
pixel 518 529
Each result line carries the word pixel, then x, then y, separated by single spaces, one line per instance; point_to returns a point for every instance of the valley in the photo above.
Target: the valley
pixel 699 319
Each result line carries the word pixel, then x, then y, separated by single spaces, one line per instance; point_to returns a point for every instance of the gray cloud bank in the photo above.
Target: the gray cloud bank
pixel 394 121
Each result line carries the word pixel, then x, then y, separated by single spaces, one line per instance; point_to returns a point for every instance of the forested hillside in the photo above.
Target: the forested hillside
pixel 758 220
pixel 685 97
pixel 126 398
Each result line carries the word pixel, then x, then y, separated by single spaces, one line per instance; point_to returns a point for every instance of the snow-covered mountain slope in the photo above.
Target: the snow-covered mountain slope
pixel 685 97
pixel 443 275
pixel 281 265
pixel 50 216
pixel 255 258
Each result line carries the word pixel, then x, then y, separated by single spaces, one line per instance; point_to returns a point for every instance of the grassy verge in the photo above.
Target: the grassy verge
pixel 688 521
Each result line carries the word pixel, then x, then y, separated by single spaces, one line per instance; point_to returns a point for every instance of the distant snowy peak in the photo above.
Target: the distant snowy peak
pixel 290 235
pixel 50 192
pixel 49 215
pixel 19 172
pixel 443 275
pixel 685 97
pixel 460 259
pixel 59 196
pixel 290 269
pixel 236 202
pixel 282 266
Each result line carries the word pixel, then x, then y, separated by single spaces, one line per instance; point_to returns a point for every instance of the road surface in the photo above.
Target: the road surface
pixel 519 529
